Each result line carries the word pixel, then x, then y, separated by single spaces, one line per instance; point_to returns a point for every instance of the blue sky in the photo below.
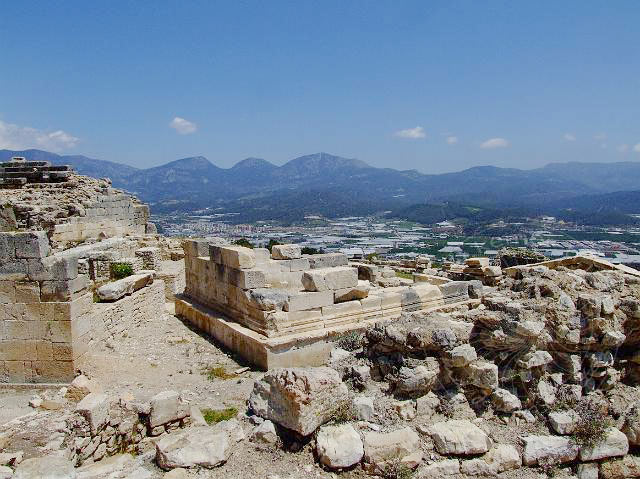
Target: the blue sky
pixel 431 85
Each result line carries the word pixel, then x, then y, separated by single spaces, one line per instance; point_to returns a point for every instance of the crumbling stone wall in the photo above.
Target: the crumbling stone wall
pixel 47 315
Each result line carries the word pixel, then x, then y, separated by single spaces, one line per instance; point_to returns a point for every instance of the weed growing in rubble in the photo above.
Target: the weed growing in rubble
pixel 344 413
pixel 351 341
pixel 212 416
pixel 403 275
pixel 591 426
pixel 216 372
pixel 396 470
pixel 121 270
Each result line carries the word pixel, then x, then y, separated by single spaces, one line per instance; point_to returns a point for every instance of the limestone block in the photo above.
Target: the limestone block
pixel 122 287
pixel 267 299
pixel 382 448
pixel 7 247
pixel 459 437
pixel 367 272
pixel 455 291
pixel 33 244
pixel 196 248
pixel 504 457
pixel 286 251
pixel 201 446
pixel 351 309
pixel 27 292
pixel 246 278
pixel 262 255
pixel 237 257
pixel 95 409
pixel 548 450
pixel 308 300
pixel 325 279
pixel 300 399
pixel 349 294
pixel 421 294
pixel 166 406
pixel 299 264
pixel 327 260
pixel 613 444
pixel 7 292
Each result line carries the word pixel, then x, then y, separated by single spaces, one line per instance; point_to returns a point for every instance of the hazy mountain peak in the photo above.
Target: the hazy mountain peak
pixel 190 163
pixel 253 163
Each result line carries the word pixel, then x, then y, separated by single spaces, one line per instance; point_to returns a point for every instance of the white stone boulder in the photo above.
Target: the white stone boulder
pixel 622 468
pixel 504 401
pixel 461 356
pixel 563 422
pixel 201 446
pixel 339 446
pixel 300 399
pixel 286 251
pixel 460 437
pixel 482 374
pixel 613 444
pixel 167 406
pixel 264 432
pixel 382 448
pixel 238 257
pixel 548 450
pixel 505 457
pixel 47 467
pixel 478 467
pixel 115 290
pixel 330 279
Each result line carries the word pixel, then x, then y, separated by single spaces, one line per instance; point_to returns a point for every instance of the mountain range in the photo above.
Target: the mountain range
pixel 333 186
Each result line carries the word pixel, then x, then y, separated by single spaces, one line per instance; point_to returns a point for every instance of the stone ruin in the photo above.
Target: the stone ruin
pixel 60 236
pixel 281 308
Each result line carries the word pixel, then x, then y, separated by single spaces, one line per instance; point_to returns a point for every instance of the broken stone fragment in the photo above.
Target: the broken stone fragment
pixel 339 446
pixel 300 399
pixel 505 401
pixel 201 446
pixel 95 409
pixel 286 251
pixel 115 290
pixel 460 437
pixel 381 449
pixel 548 450
pixel 167 406
pixel 505 457
pixel 563 422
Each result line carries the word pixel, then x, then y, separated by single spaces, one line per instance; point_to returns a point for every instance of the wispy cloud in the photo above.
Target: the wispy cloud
pixel 494 143
pixel 16 137
pixel 623 148
pixel 182 126
pixel 452 140
pixel 569 137
pixel 637 148
pixel 412 133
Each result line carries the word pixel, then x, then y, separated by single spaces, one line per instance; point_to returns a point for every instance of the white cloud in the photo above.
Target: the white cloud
pixel 16 137
pixel 452 140
pixel 182 126
pixel 494 143
pixel 623 148
pixel 637 148
pixel 412 133
pixel 569 137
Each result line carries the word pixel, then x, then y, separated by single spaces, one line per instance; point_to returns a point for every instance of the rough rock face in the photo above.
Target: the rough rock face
pixel 300 399
pixel 339 446
pixel 613 444
pixel 201 446
pixel 460 437
pixel 47 467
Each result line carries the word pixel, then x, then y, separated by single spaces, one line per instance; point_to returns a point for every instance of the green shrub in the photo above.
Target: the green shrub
pixel 121 270
pixel 395 469
pixel 243 242
pixel 344 413
pixel 216 372
pixel 309 250
pixel 402 274
pixel 591 425
pixel 212 416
